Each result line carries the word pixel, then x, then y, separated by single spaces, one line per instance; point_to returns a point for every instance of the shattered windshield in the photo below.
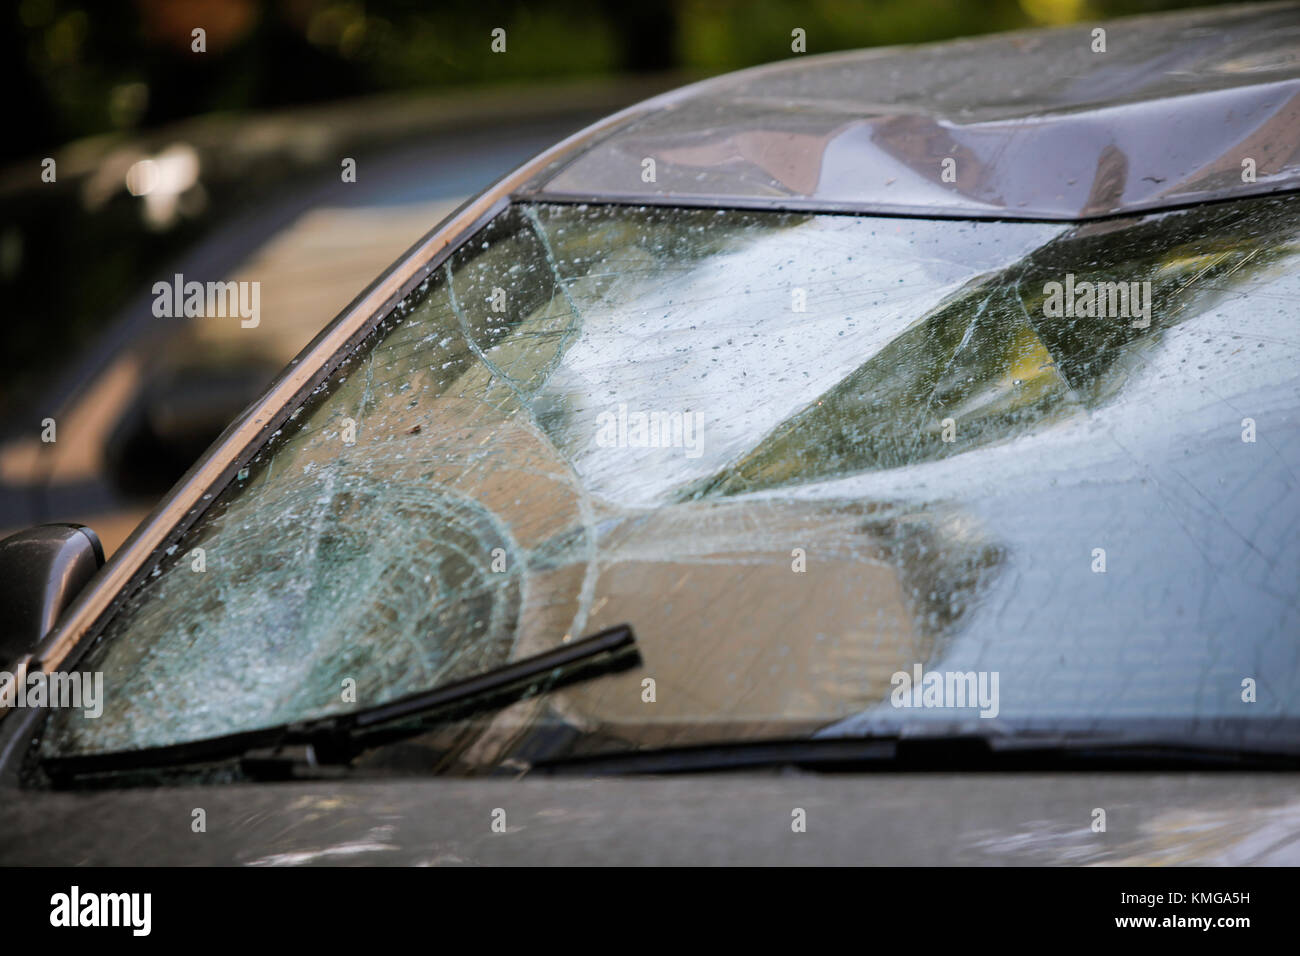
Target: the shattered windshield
pixel 820 463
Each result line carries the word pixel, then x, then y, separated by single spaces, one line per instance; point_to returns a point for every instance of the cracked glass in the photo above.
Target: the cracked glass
pixel 800 454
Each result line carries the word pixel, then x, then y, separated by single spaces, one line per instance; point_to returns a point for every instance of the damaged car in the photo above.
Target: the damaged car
pixel 895 438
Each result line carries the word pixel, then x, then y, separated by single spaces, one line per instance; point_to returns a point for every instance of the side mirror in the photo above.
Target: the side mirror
pixel 41 570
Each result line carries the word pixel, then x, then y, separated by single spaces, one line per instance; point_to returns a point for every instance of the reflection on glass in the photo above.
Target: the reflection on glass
pixel 902 459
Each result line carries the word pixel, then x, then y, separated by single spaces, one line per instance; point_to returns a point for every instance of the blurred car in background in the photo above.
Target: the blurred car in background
pixel 141 400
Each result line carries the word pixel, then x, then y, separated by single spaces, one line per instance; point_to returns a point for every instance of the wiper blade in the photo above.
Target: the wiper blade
pixel 334 741
pixel 895 753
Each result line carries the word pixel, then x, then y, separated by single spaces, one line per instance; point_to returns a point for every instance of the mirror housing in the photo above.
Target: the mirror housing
pixel 41 570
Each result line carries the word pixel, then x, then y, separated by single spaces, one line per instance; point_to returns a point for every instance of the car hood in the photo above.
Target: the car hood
pixel 746 819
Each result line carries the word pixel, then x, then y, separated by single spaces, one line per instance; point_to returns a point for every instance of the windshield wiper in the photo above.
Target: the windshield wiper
pixel 303 749
pixel 894 753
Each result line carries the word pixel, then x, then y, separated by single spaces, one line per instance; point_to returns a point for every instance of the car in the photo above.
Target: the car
pixel 844 460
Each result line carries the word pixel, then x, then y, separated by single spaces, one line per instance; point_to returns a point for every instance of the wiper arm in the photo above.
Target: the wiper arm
pixel 337 740
pixel 895 753
pixel 285 750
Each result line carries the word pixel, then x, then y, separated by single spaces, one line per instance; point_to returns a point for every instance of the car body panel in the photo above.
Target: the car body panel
pixel 1036 124
pixel 746 820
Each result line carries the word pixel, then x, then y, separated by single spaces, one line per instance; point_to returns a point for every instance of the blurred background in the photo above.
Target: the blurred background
pixel 225 163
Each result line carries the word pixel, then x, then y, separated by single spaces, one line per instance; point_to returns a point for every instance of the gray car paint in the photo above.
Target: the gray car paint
pixel 888 819
pixel 1038 124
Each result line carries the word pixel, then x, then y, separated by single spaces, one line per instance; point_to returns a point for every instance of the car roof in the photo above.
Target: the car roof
pixel 1037 125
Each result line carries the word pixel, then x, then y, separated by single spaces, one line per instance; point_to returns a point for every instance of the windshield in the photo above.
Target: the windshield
pixel 820 463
